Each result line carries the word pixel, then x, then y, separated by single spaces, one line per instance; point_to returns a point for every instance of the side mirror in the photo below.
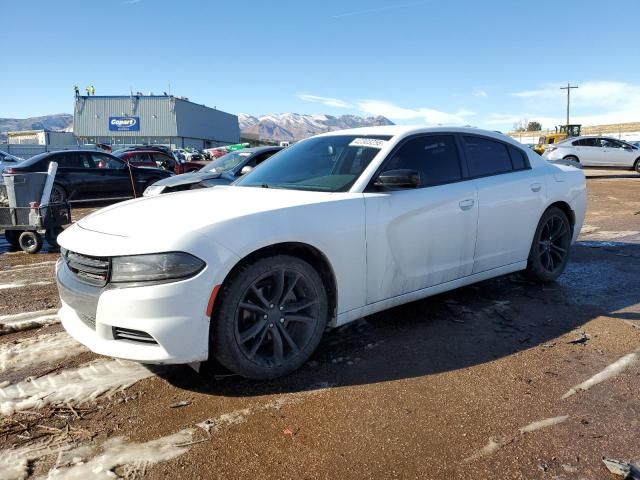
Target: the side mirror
pixel 401 178
pixel 246 169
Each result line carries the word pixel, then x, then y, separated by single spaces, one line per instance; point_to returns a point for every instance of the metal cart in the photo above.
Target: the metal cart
pixel 22 216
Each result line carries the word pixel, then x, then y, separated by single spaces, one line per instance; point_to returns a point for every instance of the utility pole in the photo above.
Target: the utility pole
pixel 568 89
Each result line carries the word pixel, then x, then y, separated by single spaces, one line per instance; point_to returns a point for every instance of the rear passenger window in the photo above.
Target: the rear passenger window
pixel 518 160
pixel 486 157
pixel 435 157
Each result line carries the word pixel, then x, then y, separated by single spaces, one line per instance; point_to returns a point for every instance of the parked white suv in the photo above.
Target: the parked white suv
pixel 595 152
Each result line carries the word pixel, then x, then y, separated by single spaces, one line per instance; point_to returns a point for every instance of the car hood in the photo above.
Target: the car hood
pixel 193 211
pixel 188 178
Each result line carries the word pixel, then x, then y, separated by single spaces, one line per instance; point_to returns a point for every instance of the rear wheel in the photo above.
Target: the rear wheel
pixel 269 318
pixel 30 242
pixel 572 158
pixel 550 249
pixel 636 166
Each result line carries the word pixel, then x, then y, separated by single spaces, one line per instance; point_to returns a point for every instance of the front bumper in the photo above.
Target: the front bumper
pixel 173 315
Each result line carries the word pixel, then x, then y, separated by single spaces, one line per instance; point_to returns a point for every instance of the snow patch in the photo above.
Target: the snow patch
pixel 117 452
pixel 8 286
pixel 72 387
pixel 611 371
pixel 33 265
pixel 547 422
pixel 38 350
pixel 14 463
pixel 27 321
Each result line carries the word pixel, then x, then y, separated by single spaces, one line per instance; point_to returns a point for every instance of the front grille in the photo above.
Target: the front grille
pixel 91 270
pixel 133 335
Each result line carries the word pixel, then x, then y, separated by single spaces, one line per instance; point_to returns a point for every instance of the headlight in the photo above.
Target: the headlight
pixel 155 268
pixel 153 190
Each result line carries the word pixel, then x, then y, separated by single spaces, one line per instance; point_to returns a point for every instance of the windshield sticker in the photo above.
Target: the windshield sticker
pixel 368 142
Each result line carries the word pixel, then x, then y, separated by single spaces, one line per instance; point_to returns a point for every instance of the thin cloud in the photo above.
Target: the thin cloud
pixel 131 2
pixel 429 116
pixel 377 9
pixel 478 92
pixel 592 103
pixel 328 101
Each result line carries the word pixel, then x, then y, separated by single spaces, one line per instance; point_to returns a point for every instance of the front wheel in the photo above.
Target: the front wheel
pixel 269 317
pixel 550 249
pixel 58 194
pixel 636 166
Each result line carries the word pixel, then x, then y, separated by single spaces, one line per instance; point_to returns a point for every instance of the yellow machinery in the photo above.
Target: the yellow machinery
pixel 562 132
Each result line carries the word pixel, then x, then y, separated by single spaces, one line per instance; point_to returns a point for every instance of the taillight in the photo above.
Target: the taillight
pixel 551 148
pixel 10 171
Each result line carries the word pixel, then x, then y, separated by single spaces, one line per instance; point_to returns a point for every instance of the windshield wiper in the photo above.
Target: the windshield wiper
pixel 264 185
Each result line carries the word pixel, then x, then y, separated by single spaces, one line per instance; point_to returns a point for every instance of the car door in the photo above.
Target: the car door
pixel 616 155
pixel 77 174
pixel 114 180
pixel 588 151
pixel 510 201
pixel 420 237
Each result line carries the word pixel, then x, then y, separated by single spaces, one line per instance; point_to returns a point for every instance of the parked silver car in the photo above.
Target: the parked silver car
pixel 595 152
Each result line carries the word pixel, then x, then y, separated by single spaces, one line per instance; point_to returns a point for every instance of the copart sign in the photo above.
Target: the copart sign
pixel 124 124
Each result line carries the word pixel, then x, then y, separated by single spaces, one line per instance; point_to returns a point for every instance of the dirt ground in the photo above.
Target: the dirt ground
pixel 504 379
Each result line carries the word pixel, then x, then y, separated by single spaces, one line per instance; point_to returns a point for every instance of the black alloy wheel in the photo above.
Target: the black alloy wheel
pixel 550 250
pixel 276 317
pixel 553 244
pixel 269 318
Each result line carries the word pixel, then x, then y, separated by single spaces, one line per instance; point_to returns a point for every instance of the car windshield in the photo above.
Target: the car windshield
pixel 323 164
pixel 226 162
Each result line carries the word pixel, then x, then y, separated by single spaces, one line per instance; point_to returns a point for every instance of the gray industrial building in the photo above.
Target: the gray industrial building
pixel 152 119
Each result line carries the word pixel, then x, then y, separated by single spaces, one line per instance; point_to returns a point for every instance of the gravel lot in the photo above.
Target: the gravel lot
pixel 503 379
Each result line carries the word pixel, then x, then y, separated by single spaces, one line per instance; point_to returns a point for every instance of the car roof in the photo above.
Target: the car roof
pixel 405 130
pixel 260 149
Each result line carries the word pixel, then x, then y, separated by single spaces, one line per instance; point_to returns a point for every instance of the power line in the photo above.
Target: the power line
pixel 568 89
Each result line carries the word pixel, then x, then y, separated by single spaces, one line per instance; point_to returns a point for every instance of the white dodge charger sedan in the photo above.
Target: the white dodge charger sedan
pixel 336 227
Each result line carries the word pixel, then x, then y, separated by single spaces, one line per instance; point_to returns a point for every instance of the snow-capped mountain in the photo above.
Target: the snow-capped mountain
pixel 295 126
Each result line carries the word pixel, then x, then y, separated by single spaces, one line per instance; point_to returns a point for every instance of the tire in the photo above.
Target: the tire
pixel 58 194
pixel 636 166
pixel 12 237
pixel 255 335
pixel 571 158
pixel 51 235
pixel 549 252
pixel 30 242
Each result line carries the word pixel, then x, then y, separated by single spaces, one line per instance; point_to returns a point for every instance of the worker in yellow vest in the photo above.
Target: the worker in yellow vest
pixel 93 90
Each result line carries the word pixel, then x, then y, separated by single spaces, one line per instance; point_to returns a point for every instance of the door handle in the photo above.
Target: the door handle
pixel 466 204
pixel 536 187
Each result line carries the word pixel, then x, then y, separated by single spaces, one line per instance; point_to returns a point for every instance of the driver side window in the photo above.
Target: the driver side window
pixel 103 161
pixel 434 157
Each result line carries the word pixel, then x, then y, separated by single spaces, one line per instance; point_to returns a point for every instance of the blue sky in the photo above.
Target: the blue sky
pixel 482 63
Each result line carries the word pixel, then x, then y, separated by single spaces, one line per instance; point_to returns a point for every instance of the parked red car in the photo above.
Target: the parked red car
pixel 157 158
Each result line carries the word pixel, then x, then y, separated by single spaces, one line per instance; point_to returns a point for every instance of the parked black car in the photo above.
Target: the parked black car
pixel 221 171
pixel 86 174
